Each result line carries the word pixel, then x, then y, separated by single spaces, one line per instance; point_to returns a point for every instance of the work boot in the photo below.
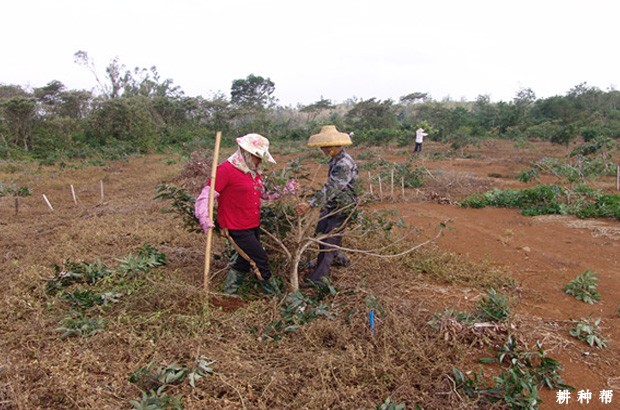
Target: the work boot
pixel 234 279
pixel 341 260
pixel 270 286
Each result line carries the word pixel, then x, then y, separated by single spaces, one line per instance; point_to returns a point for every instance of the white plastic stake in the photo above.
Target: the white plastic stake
pixel 73 195
pixel 47 202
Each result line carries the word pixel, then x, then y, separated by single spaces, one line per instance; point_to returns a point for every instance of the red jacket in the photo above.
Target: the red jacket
pixel 239 200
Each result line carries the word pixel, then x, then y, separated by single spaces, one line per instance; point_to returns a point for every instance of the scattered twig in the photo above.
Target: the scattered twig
pixel 430 174
pixel 235 389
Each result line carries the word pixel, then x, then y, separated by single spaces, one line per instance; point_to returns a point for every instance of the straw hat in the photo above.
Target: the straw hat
pixel 256 145
pixel 329 137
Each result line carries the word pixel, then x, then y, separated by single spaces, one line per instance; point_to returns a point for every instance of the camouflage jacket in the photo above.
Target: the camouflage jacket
pixel 341 186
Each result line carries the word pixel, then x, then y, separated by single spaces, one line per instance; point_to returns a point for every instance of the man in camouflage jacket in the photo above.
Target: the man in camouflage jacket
pixel 337 198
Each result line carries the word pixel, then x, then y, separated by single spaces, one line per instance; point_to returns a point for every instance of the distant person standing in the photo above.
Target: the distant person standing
pixel 419 139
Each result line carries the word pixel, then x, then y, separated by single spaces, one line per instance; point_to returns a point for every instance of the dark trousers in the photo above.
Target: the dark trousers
pixel 326 256
pixel 249 241
pixel 418 147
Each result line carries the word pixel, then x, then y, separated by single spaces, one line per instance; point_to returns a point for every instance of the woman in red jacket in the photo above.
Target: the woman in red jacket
pixel 238 189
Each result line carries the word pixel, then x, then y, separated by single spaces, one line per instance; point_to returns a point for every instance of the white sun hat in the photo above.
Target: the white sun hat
pixel 256 145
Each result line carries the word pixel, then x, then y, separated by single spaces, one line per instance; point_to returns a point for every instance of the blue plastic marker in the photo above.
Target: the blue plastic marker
pixel 371 320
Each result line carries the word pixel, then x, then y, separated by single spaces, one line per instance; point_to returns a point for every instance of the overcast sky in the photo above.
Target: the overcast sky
pixel 313 49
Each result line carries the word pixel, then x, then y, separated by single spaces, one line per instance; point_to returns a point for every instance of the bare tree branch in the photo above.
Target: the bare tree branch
pixel 378 255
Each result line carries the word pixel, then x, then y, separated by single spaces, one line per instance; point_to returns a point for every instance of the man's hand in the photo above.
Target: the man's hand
pixel 302 207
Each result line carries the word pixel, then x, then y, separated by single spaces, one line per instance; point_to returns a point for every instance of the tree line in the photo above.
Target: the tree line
pixel 137 111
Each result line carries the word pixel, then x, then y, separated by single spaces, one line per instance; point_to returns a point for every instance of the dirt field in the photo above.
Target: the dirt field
pixel 39 370
pixel 543 254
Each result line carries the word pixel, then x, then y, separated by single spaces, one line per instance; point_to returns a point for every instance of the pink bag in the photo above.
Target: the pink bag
pixel 201 208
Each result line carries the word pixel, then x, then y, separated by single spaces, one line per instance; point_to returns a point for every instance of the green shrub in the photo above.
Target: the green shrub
pixel 604 206
pixel 88 298
pixel 527 176
pixel 451 314
pixel 69 273
pixel 298 309
pixel 378 136
pixel 539 200
pixel 583 287
pixel 588 331
pixel 516 386
pixel 154 400
pixel 493 308
pixel 80 325
pixel 474 201
pixel 182 204
pixel 388 404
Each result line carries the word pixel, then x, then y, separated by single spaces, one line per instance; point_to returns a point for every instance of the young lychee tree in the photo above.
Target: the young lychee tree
pixel 291 235
pixel 14 191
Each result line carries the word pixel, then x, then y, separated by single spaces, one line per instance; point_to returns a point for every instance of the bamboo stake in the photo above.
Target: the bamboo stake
pixel 370 182
pixel 101 190
pixel 73 195
pixel 380 189
pixel 402 186
pixel 216 153
pixel 47 202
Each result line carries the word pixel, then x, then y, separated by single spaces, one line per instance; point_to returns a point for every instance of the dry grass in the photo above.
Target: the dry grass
pixel 163 317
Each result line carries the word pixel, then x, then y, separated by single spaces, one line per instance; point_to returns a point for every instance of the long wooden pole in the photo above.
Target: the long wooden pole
pixel 216 153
